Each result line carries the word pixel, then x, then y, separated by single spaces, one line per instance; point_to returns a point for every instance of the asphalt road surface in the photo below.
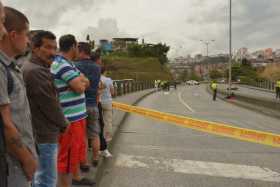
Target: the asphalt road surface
pixel 246 90
pixel 150 153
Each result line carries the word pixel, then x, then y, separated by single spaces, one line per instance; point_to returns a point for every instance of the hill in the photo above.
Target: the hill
pixel 137 68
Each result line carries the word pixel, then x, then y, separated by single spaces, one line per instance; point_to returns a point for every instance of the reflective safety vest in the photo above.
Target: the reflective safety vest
pixel 214 86
pixel 278 84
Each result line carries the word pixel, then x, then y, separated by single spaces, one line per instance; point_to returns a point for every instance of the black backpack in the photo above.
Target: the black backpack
pixel 3 161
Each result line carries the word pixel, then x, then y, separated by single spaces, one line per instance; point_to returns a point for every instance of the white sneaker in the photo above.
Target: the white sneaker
pixel 106 154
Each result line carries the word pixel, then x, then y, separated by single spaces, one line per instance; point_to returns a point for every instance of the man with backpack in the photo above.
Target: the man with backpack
pixel 14 106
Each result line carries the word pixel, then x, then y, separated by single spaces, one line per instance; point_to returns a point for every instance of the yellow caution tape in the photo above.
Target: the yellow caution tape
pixel 249 135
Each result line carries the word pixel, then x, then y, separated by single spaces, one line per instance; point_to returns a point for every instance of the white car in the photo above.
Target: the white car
pixel 192 82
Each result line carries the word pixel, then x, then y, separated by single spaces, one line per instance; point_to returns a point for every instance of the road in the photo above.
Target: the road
pixel 158 154
pixel 248 91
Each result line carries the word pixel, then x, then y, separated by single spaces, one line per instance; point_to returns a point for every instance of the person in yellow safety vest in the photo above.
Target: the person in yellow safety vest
pixel 277 88
pixel 214 87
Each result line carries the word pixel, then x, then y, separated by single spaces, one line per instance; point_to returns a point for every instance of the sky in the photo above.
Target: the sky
pixel 181 24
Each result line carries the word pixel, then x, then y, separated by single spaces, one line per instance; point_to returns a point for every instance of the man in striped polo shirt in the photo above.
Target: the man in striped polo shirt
pixel 71 85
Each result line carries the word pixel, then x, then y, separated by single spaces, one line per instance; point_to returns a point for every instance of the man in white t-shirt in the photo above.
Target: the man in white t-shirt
pixel 106 102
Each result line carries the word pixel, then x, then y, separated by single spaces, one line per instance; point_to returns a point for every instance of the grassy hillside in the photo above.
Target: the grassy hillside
pixel 271 72
pixel 136 68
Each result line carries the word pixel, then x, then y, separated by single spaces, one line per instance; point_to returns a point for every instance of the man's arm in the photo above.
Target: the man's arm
pixel 42 91
pixel 79 84
pixel 112 90
pixel 85 80
pixel 15 145
pixel 76 80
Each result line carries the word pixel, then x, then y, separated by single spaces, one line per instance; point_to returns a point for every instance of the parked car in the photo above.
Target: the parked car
pixel 222 81
pixel 192 82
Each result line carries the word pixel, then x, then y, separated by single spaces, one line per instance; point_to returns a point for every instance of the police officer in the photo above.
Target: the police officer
pixel 277 89
pixel 214 87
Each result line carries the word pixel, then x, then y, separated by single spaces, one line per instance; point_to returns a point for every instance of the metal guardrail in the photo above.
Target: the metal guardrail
pixel 123 87
pixel 266 84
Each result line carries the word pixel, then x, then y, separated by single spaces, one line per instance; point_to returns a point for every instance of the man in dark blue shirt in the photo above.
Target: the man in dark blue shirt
pixel 92 71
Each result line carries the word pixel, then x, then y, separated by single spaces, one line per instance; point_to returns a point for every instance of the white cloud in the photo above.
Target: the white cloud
pixel 179 23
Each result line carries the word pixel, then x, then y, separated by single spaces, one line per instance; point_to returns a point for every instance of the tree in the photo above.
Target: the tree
pixel 147 50
pixel 193 76
pixel 245 62
pixel 215 74
pixel 243 72
pixel 184 76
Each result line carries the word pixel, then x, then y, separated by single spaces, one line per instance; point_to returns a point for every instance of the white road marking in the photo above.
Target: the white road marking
pixel 214 169
pixel 184 103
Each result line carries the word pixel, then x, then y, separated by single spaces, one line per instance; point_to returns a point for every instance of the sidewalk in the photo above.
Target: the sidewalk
pixel 252 92
pixel 257 101
pixel 257 88
pixel 118 118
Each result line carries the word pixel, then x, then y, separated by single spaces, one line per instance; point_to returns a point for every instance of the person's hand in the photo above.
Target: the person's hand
pixel 85 80
pixel 62 130
pixel 29 166
pixel 82 75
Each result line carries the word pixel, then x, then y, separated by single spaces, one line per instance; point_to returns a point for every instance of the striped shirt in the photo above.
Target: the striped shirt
pixel 73 104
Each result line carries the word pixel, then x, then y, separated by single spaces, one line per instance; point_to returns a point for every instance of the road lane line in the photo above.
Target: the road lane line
pixel 184 103
pixel 214 169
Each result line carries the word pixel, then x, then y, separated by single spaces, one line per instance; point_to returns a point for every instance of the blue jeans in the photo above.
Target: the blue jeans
pixel 46 174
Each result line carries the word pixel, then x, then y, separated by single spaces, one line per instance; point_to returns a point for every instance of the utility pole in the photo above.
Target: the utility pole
pixel 230 52
pixel 207 46
pixel 207 52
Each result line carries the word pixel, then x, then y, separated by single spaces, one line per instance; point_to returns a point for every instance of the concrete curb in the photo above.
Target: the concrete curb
pixel 101 167
pixel 250 105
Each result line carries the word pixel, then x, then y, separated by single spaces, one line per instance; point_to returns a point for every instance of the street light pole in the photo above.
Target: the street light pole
pixel 207 51
pixel 230 52
pixel 207 46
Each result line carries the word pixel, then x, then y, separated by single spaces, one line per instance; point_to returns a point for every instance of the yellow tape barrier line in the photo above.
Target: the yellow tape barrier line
pixel 205 126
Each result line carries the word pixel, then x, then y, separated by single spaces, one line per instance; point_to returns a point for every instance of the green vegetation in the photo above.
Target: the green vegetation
pixel 215 74
pixel 271 72
pixel 193 76
pixel 212 60
pixel 121 66
pixel 185 76
pixel 158 51
pixel 244 72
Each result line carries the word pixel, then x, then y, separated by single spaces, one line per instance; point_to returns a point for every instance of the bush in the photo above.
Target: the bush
pixel 215 74
pixel 146 50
